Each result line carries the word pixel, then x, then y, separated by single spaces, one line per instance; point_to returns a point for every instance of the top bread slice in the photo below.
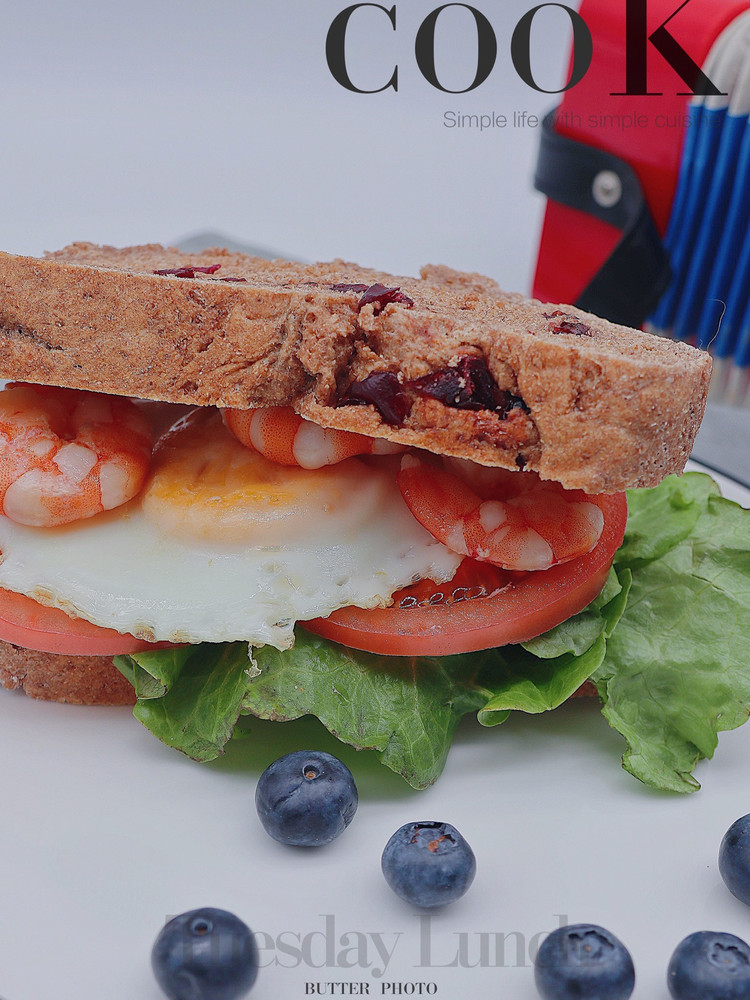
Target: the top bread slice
pixel 580 400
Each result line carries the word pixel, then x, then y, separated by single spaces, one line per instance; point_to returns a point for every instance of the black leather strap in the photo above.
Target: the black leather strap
pixel 632 280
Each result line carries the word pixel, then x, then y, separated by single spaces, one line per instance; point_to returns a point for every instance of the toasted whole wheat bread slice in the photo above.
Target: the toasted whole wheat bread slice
pixel 593 405
pixel 79 680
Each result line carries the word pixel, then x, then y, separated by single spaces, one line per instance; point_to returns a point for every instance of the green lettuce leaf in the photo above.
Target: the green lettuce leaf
pixel 676 670
pixel 153 674
pixel 202 690
pixel 406 708
pixel 664 644
pixel 662 517
pixel 545 672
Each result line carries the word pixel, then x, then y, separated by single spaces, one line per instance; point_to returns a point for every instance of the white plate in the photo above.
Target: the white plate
pixel 104 833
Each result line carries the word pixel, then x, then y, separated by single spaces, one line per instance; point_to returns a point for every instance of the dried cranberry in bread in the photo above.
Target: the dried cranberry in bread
pixel 447 362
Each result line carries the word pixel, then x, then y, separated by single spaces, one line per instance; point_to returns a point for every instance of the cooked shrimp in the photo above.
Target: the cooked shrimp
pixel 511 519
pixel 282 436
pixel 67 454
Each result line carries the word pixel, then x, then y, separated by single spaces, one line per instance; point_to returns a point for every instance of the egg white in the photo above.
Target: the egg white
pixel 141 570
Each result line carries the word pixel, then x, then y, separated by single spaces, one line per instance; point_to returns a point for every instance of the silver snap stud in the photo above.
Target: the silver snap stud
pixel 607 188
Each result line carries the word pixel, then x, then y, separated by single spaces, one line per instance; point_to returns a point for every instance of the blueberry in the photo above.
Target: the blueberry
pixel 206 954
pixel 428 864
pixel 709 965
pixel 734 858
pixel 306 798
pixel 583 960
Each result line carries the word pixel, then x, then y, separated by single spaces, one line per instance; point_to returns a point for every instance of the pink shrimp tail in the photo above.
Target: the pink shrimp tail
pixel 281 435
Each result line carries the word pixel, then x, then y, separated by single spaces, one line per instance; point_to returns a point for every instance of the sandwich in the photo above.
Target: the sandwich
pixel 233 487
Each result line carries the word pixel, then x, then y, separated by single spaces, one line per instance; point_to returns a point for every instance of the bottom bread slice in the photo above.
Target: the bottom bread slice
pixel 79 680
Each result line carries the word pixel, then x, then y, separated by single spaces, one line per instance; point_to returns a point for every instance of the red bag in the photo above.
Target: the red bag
pixel 605 254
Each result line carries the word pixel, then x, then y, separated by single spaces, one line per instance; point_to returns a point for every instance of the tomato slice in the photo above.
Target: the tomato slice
pixel 24 622
pixel 517 607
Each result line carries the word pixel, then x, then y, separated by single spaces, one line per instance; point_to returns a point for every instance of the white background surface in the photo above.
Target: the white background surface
pixel 145 121
pixel 136 122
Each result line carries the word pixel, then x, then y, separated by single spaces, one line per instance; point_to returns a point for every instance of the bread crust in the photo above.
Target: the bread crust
pixel 79 680
pixel 608 408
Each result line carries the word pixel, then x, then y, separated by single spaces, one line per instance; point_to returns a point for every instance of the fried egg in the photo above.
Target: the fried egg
pixel 224 545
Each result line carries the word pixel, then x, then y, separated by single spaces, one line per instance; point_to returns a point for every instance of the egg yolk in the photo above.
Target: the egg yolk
pixel 206 486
